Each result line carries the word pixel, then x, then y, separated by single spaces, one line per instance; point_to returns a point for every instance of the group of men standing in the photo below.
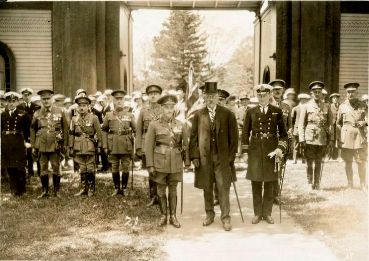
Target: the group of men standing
pixel 166 135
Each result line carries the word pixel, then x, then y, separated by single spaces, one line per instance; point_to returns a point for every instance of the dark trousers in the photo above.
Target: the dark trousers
pixel 314 154
pixel 262 201
pixel 17 181
pixel 30 162
pixel 223 194
pixel 104 161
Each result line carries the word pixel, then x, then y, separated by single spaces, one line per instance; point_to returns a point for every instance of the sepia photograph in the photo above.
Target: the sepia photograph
pixel 184 130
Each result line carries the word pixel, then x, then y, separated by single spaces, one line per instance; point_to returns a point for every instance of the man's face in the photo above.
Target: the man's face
pixel 168 110
pixel 263 97
pixel 103 103
pixel 303 101
pixel 334 99
pixel 231 103
pixel 154 96
pixel 93 103
pixel 46 101
pixel 317 94
pixel 291 96
pixel 83 108
pixel 277 93
pixel 138 101
pixel 26 97
pixel 211 99
pixel 118 102
pixel 12 104
pixel 221 101
pixel 245 102
pixel 351 94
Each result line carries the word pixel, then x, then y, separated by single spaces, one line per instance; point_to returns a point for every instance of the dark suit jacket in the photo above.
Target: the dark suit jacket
pixel 227 142
pixel 30 110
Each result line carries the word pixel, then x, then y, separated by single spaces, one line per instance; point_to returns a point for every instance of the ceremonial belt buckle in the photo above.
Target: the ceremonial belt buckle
pixel 11 132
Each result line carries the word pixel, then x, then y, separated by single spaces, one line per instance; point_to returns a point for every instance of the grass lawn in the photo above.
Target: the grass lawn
pixel 80 227
pixel 337 215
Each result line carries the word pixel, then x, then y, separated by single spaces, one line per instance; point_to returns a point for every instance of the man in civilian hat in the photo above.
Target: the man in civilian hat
pixel 152 112
pixel 213 147
pixel 118 129
pixel 334 103
pixel 278 87
pixel 231 104
pixel 14 140
pixel 295 116
pixel 30 108
pixel 315 132
pixel 49 136
pixel 264 137
pixel 222 96
pixel 352 126
pixel 84 140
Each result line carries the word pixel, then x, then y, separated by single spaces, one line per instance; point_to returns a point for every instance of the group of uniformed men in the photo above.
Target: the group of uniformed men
pixel 166 136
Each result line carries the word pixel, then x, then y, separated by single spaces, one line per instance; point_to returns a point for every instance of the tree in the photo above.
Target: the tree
pixel 180 42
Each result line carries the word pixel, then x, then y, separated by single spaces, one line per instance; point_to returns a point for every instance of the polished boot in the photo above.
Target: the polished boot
pixel 90 184
pixel 163 211
pixel 269 219
pixel 84 186
pixel 56 184
pixel 309 172
pixel 317 175
pixel 116 180
pixel 125 177
pixel 153 194
pixel 45 186
pixel 172 208
pixel 256 220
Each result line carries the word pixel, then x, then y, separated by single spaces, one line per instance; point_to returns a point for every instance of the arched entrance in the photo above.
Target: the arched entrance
pixel 7 68
pixel 266 74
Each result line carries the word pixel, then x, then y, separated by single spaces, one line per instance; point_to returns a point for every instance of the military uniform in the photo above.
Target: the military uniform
pixel 352 137
pixel 263 132
pixel 315 130
pixel 118 138
pixel 166 146
pixel 14 134
pixel 49 133
pixel 334 109
pixel 84 139
pixel 147 114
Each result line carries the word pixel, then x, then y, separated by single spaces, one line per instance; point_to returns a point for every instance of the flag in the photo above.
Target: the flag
pixel 191 91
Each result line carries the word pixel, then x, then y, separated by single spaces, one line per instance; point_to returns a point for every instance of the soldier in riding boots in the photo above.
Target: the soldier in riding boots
pixel 264 137
pixel 315 132
pixel 148 114
pixel 14 135
pixel 118 139
pixel 49 133
pixel 166 147
pixel 84 137
pixel 352 126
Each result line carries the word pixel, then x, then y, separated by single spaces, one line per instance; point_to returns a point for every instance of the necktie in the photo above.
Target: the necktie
pixel 212 115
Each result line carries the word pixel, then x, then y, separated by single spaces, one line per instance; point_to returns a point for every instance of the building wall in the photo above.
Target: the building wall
pixel 27 33
pixel 126 49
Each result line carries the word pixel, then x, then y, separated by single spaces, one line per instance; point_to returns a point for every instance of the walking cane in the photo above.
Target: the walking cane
pixel 132 162
pixel 238 201
pixel 281 171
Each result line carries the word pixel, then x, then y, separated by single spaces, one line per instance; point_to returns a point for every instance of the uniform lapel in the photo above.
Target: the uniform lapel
pixel 206 118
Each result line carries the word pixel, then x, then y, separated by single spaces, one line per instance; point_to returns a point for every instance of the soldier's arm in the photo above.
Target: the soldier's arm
pixel 71 134
pixel 283 135
pixel 150 145
pixel 233 136
pixel 133 123
pixel 139 127
pixel 339 123
pixel 194 142
pixel 302 120
pixel 105 130
pixel 65 127
pixel 185 144
pixel 246 130
pixel 97 128
pixel 33 129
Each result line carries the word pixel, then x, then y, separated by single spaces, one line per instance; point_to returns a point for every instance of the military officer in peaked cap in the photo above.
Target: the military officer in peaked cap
pixel 84 141
pixel 147 114
pixel 352 125
pixel 334 99
pixel 118 139
pixel 49 135
pixel 264 137
pixel 29 107
pixel 315 132
pixel 14 141
pixel 166 147
pixel 213 147
pixel 222 97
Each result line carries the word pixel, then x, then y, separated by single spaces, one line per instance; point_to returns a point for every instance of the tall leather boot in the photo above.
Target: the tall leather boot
pixel 163 210
pixel 45 186
pixel 116 180
pixel 153 194
pixel 125 177
pixel 317 174
pixel 90 184
pixel 349 174
pixel 172 208
pixel 56 184
pixel 309 172
pixel 83 190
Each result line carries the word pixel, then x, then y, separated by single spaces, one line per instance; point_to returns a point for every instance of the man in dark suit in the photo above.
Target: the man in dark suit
pixel 264 135
pixel 29 108
pixel 213 147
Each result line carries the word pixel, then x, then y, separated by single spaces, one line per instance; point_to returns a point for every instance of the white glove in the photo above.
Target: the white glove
pixel 277 152
pixel 28 145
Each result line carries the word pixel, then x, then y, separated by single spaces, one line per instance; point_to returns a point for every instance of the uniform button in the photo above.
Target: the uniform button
pixel 269 118
pixel 261 128
pixel 268 128
pixel 268 132
pixel 269 123
pixel 259 118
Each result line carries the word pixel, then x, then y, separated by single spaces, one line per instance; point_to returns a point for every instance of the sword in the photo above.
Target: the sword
pixel 238 201
pixel 281 171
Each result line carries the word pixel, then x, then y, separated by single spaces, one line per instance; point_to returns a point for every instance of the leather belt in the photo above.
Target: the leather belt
pixel 262 135
pixel 84 135
pixel 11 132
pixel 120 132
